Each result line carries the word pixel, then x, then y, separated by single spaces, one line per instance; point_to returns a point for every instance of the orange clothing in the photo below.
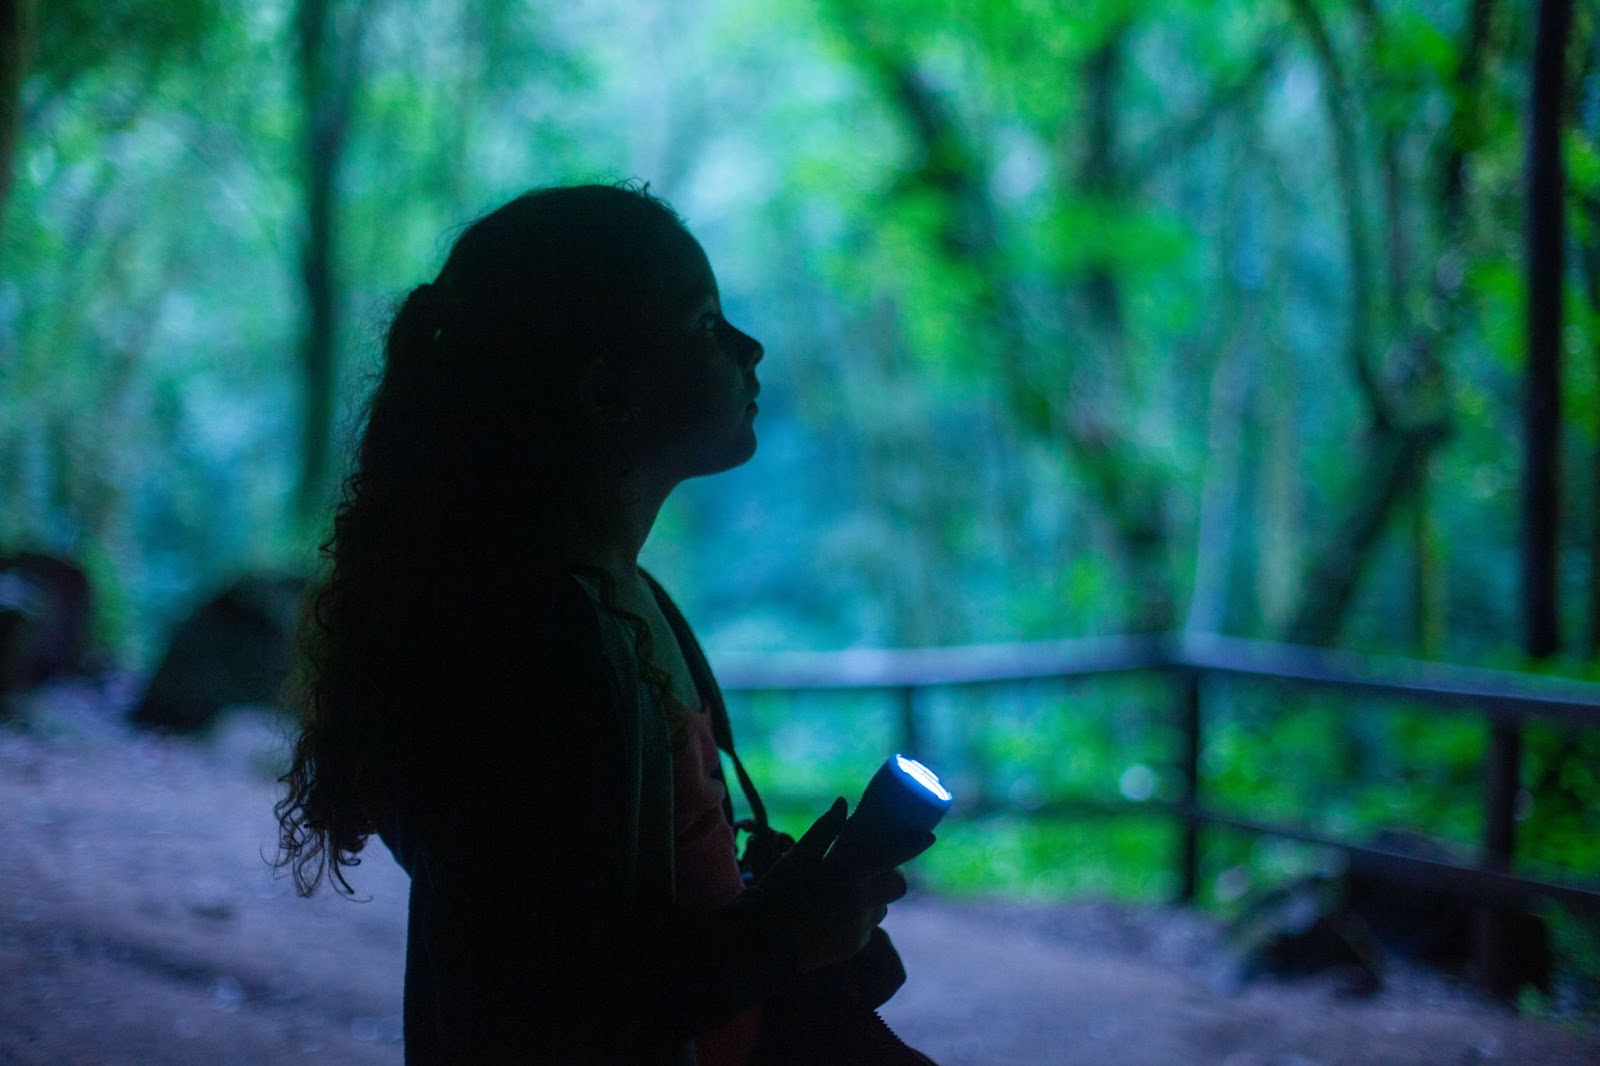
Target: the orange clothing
pixel 707 871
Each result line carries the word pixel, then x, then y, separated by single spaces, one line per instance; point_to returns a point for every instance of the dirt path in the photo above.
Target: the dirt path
pixel 139 925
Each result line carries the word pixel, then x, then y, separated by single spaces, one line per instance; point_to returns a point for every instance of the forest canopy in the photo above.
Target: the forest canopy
pixel 1273 319
pixel 1081 318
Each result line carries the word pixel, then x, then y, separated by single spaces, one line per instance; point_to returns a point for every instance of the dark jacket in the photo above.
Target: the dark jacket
pixel 542 926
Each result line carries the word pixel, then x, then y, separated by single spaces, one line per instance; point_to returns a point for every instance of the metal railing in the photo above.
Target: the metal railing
pixel 1506 700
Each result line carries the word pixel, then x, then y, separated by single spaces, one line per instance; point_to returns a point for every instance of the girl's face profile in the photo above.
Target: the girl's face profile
pixel 697 389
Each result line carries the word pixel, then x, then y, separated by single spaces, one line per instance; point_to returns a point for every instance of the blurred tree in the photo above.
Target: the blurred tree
pixel 1440 319
pixel 329 37
pixel 1587 227
pixel 78 306
pixel 1401 429
pixel 17 29
pixel 1068 322
pixel 1074 311
pixel 1545 239
pixel 946 181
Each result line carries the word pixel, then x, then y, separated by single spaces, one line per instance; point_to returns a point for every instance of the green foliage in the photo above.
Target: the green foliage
pixel 1126 859
pixel 1004 257
pixel 1501 293
pixel 964 269
pixel 76 37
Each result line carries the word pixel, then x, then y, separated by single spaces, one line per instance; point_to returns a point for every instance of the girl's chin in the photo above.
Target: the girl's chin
pixel 737 453
pixel 747 446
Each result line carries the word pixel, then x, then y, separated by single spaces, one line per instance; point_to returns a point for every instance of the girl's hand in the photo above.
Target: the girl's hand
pixel 831 912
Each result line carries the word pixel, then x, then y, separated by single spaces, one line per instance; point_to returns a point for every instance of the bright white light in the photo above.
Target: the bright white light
pixel 924 776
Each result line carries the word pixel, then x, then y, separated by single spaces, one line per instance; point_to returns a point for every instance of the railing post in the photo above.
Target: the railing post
pixel 1189 769
pixel 910 738
pixel 1497 970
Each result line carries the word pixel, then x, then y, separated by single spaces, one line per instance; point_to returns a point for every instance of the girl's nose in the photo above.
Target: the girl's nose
pixel 753 351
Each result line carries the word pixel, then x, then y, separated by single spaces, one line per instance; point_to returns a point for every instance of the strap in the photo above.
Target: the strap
pixel 619 654
pixel 706 684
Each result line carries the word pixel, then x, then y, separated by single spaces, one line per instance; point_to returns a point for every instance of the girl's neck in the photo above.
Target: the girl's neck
pixel 608 532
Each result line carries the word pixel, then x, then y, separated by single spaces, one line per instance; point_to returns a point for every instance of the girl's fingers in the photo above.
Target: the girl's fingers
pixel 889 886
pixel 907 846
pixel 823 831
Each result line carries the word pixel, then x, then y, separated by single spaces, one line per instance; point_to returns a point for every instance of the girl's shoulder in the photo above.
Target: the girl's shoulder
pixel 540 630
pixel 563 601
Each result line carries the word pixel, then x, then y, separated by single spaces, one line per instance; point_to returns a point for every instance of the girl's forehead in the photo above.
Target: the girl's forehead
pixel 683 272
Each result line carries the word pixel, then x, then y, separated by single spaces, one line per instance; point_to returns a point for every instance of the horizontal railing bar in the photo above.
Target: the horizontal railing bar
pixel 1499 693
pixel 1067 808
pixel 880 668
pixel 979 809
pixel 1430 873
pixel 1427 873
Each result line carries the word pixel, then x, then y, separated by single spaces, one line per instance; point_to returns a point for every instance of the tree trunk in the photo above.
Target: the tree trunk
pixel 1427 574
pixel 1336 97
pixel 17 23
pixel 1220 489
pixel 1140 518
pixel 1462 133
pixel 1238 343
pixel 1128 493
pixel 1589 261
pixel 1389 462
pixel 1589 269
pixel 1426 585
pixel 328 51
pixel 1444 290
pixel 1541 471
pixel 1541 413
pixel 1390 466
pixel 1405 425
pixel 1098 178
pixel 1591 644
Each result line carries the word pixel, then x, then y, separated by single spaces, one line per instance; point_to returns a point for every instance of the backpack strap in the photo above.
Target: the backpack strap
pixel 711 693
pixel 617 649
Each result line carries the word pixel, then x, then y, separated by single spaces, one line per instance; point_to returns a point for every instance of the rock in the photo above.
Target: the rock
pixel 13 632
pixel 1346 925
pixel 1303 928
pixel 45 609
pixel 236 648
pixel 1434 927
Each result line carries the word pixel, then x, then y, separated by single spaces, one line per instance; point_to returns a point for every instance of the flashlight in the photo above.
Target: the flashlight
pixel 904 796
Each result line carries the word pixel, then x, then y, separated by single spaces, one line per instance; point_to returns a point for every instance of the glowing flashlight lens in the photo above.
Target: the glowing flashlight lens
pixel 922 775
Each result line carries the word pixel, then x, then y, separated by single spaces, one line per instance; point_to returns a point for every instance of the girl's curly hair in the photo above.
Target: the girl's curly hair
pixel 472 445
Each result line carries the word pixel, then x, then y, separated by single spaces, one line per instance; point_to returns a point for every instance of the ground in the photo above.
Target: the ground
pixel 140 924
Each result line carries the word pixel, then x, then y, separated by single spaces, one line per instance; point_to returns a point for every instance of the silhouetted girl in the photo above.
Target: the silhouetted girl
pixel 496 688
